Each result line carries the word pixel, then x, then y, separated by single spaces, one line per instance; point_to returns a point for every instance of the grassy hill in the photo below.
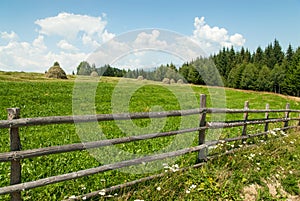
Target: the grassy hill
pixel 227 177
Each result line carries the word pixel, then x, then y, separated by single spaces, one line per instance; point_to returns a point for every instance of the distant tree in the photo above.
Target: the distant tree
pixel 235 76
pixel 289 54
pixel 258 57
pixel 278 53
pixel 263 82
pixel 277 77
pixel 249 77
pixel 84 68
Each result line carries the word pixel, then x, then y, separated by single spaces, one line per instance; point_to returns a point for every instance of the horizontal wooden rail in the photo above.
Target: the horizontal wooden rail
pixel 92 118
pixel 10 156
pixel 91 171
pixel 124 116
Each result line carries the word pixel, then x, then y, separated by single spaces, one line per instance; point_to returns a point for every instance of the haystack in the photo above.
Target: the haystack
pixel 166 81
pixel 172 81
pixel 180 81
pixel 56 72
pixel 94 74
pixel 140 77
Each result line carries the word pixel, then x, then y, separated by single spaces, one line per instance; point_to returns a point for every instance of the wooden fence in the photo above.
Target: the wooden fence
pixel 16 155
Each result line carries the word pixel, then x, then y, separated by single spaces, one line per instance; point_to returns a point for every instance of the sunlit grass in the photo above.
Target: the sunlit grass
pixel 38 96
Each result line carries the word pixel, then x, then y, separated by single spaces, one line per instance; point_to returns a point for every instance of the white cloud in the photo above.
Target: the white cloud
pixel 9 36
pixel 39 44
pixel 75 36
pixel 149 40
pixel 71 26
pixel 35 57
pixel 237 39
pixel 212 39
pixel 64 45
pixel 106 36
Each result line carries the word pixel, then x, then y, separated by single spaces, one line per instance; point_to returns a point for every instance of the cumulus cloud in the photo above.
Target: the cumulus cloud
pixel 211 39
pixel 75 36
pixel 70 26
pixel 64 45
pixel 9 36
pixel 146 48
pixel 35 57
pixel 149 40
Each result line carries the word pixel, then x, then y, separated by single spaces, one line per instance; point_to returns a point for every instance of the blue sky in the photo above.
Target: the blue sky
pixel 35 33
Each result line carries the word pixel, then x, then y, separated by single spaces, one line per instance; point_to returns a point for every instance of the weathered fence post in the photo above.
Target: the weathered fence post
pixel 246 107
pixel 298 123
pixel 286 116
pixel 267 124
pixel 15 145
pixel 202 156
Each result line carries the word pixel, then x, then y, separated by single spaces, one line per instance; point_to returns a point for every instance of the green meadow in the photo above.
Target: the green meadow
pixel 225 177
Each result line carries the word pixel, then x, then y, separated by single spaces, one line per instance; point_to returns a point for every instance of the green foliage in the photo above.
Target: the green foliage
pixel 84 68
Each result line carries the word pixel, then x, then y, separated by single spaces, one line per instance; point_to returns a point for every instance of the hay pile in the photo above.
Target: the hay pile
pixel 56 72
pixel 94 74
pixel 140 77
pixel 166 81
pixel 180 81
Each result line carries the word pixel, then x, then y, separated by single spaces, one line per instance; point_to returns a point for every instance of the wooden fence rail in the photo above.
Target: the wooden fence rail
pixel 15 155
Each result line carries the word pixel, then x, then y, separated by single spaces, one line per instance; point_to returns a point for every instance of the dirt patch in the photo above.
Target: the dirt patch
pixel 250 193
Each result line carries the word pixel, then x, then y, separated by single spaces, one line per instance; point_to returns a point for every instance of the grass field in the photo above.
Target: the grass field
pixel 226 177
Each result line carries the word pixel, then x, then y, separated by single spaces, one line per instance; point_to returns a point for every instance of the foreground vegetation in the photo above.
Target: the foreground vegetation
pixel 38 96
pixel 269 171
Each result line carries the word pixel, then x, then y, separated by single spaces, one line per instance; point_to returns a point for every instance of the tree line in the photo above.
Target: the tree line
pixel 269 69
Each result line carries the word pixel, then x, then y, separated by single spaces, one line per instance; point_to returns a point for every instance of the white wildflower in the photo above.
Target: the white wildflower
pixel 84 197
pixel 72 197
pixel 283 133
pixel 258 168
pixel 158 188
pixel 187 191
pixel 102 192
pixel 292 142
pixel 291 172
pixel 193 186
pixel 176 166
